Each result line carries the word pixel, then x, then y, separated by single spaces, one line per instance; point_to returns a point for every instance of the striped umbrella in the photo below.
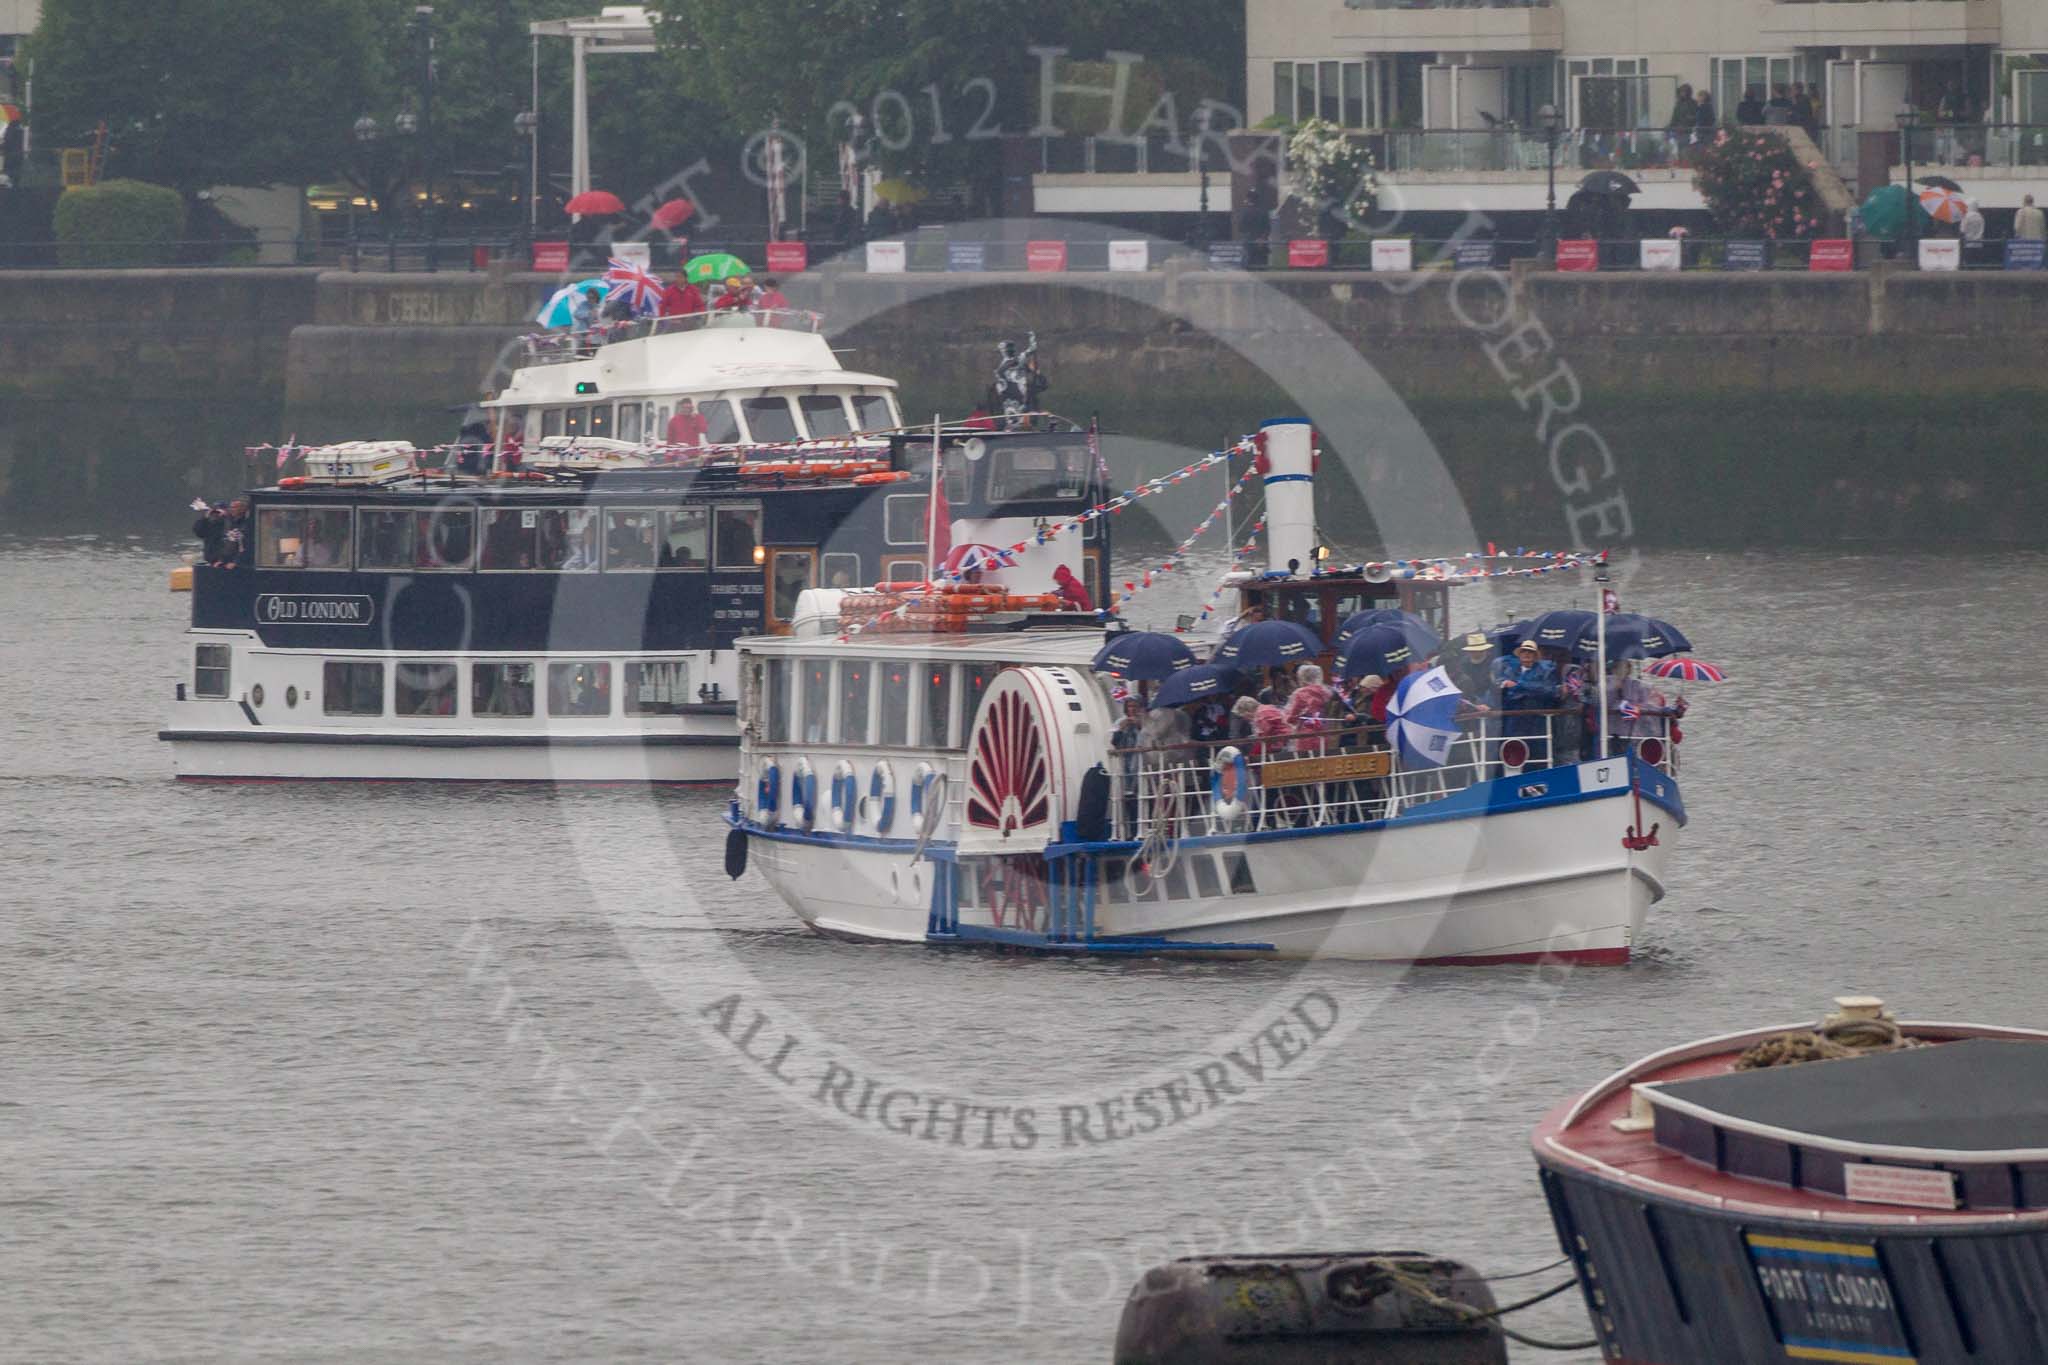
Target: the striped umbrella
pixel 1944 206
pixel 1685 670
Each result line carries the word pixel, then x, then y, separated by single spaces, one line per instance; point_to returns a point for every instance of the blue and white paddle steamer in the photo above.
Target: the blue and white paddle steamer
pixel 562 604
pixel 936 765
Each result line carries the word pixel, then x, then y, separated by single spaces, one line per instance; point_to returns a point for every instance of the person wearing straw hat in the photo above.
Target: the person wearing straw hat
pixel 1528 684
pixel 1470 664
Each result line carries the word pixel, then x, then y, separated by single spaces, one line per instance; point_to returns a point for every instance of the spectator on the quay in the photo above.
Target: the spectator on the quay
pixel 1803 111
pixel 1703 115
pixel 1750 112
pixel 1254 228
pixel 1778 112
pixel 1973 233
pixel 844 223
pixel 881 220
pixel 1684 120
pixel 2030 222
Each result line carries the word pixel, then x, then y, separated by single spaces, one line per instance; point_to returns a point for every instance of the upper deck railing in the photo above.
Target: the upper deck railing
pixel 559 346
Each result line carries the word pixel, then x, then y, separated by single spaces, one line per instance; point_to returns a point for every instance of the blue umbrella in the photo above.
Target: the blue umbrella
pixel 1143 656
pixel 1630 636
pixel 1422 719
pixel 1269 644
pixel 1376 616
pixel 1386 647
pixel 559 310
pixel 1559 629
pixel 1199 683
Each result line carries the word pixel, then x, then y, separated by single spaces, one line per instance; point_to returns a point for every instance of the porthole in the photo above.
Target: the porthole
pixel 256 694
pixel 291 696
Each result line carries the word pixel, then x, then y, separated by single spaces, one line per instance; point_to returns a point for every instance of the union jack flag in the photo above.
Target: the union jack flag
pixel 1629 709
pixel 633 279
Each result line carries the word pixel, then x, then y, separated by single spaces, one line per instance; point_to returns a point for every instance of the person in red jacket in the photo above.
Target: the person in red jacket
pixel 681 298
pixel 687 427
pixel 770 296
pixel 1072 592
pixel 739 293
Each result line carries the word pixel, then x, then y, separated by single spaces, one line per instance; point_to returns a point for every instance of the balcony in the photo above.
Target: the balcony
pixel 1883 23
pixel 1478 26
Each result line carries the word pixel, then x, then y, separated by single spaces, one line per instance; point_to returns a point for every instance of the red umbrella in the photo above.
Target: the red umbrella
pixel 673 214
pixel 595 202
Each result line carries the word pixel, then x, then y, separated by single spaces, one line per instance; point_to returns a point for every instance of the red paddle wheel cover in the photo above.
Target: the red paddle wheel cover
pixel 1008 783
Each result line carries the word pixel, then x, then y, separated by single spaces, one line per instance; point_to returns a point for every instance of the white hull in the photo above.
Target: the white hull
pixel 1551 880
pixel 625 758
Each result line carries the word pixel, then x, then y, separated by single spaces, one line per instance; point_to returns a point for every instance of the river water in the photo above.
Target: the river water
pixel 393 1072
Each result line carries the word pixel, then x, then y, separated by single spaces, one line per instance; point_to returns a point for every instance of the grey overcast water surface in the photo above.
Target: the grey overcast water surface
pixel 392 1072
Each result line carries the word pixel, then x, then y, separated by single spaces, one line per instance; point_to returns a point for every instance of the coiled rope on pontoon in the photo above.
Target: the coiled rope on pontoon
pixel 1836 1038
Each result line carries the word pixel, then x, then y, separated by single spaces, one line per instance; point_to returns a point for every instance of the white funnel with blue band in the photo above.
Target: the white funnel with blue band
pixel 1290 494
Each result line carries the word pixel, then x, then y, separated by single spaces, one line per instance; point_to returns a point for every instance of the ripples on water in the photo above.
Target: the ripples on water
pixel 324 1071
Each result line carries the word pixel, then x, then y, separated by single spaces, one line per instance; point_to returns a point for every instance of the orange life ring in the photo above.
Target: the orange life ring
pixel 903 587
pixel 888 476
pixel 294 482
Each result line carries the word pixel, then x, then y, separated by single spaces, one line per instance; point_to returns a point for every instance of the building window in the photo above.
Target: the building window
pixel 629 540
pixel 657 687
pixel 938 704
pixel 580 689
pixel 825 414
pixel 903 519
pixel 1336 91
pixel 303 537
pixel 736 532
pixel 769 419
pixel 686 538
pixel 349 688
pixel 842 570
pixel 896 677
pixel 854 691
pixel 210 665
pixel 423 690
pixel 501 690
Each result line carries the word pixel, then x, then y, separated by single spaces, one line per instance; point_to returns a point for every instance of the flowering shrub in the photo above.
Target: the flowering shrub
pixel 1330 171
pixel 1755 187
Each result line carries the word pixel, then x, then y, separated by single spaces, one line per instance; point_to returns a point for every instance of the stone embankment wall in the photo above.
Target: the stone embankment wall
pixel 1720 408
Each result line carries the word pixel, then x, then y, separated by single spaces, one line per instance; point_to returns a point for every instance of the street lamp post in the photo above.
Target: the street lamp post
pixel 1202 116
pixel 1909 120
pixel 1551 121
pixel 527 123
pixel 423 32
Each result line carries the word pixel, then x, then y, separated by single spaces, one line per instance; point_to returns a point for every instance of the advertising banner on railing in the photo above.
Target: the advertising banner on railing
pixel 1308 253
pixel 1831 253
pixel 1941 253
pixel 2026 253
pixel 966 255
pixel 1396 254
pixel 1473 256
pixel 1129 256
pixel 551 258
pixel 1227 256
pixel 1744 256
pixel 1045 257
pixel 885 258
pixel 634 253
pixel 788 258
pixel 1661 253
pixel 1578 254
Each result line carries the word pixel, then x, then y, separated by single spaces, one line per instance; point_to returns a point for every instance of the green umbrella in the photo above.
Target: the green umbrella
pixel 1883 214
pixel 719 265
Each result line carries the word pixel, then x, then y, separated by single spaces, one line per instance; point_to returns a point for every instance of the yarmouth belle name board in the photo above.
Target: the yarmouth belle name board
pixel 314 609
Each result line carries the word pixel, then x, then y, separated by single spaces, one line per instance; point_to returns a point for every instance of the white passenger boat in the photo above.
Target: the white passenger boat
pixel 961 786
pixel 569 614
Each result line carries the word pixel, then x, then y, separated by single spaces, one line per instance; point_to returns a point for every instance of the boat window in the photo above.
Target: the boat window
pixel 508 538
pixel 769 419
pixel 210 664
pixel 551 423
pixel 825 414
pixel 903 571
pixel 1091 576
pixel 686 538
pixel 1033 472
pixel 1207 884
pixel 1176 880
pixel 629 540
pixel 501 689
pixel 580 689
pixel 737 533
pixel 817 699
pixel 792 576
pixel 387 538
pixel 601 420
pixel 350 688
pixel 778 701
pixel 303 537
pixel 721 428
pixel 568 539
pixel 449 539
pixel 854 676
pixel 572 423
pixel 423 690
pixel 938 704
pixel 843 571
pixel 657 687
pixel 895 703
pixel 871 412
pixel 958 480
pixel 1116 880
pixel 1240 874
pixel 903 519
pixel 974 681
pixel 629 422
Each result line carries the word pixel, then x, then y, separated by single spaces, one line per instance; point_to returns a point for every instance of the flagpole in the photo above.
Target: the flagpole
pixel 931 517
pixel 1600 657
